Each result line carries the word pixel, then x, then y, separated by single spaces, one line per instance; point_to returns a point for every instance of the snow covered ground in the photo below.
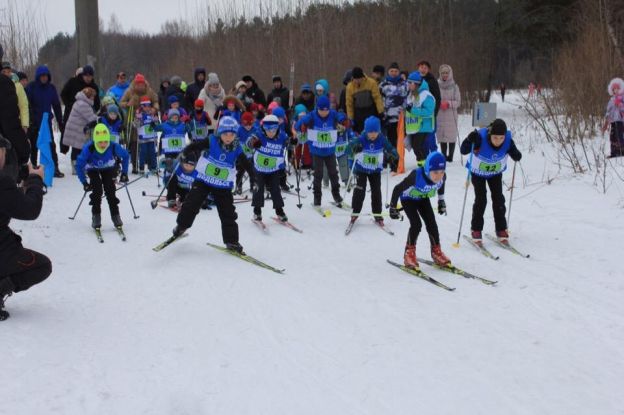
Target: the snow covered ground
pixel 120 329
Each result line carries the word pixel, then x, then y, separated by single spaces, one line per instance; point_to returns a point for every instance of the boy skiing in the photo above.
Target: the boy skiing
pixel 181 180
pixel 245 131
pixel 370 149
pixel 415 191
pixel 98 159
pixel 490 148
pixel 321 127
pixel 269 143
pixel 199 122
pixel 144 121
pixel 216 171
pixel 112 120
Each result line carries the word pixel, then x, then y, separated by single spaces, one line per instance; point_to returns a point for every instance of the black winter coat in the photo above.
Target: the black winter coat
pixel 16 203
pixel 69 91
pixel 434 88
pixel 193 90
pixel 10 125
pixel 282 93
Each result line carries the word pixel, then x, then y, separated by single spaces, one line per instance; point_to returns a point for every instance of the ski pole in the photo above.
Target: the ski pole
pixel 154 203
pixel 298 176
pixel 513 179
pixel 461 221
pixel 349 179
pixel 131 204
pixel 79 204
pixel 387 184
pixel 129 183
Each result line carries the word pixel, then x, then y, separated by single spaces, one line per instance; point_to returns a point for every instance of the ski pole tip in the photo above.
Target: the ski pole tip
pixel 455 245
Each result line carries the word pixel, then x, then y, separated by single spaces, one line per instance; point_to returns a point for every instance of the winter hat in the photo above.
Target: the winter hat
pixel 299 108
pixel 498 127
pixel 247 78
pixel 253 107
pixel 112 109
pixel 21 75
pixel 190 158
pixel 270 122
pixel 213 78
pixel 616 81
pixel 145 100
pixel 172 98
pixel 139 79
pixel 393 65
pixel 279 112
pixel 435 161
pixel 199 103
pixel 322 103
pixel 357 73
pixel 88 70
pixel 306 87
pixel 6 65
pixel 172 112
pixel 247 118
pixel 240 84
pixel 372 125
pixel 176 80
pixel 415 77
pixel 272 106
pixel 79 71
pixel 100 134
pixel 277 78
pixel 379 69
pixel 347 77
pixel 227 125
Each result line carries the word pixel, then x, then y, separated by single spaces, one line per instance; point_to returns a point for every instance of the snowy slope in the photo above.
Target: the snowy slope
pixel 119 329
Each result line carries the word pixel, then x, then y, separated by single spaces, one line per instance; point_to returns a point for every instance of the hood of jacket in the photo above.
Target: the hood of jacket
pixel 324 84
pixel 80 96
pixel 42 70
pixel 196 73
pixel 450 82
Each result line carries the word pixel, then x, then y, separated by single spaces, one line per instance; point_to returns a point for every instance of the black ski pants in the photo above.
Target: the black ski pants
pixel 27 268
pixel 414 210
pixel 272 182
pixel 330 163
pixel 103 180
pixel 359 192
pixel 498 202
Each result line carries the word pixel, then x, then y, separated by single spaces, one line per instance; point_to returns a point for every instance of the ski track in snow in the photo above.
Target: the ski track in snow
pixel 120 329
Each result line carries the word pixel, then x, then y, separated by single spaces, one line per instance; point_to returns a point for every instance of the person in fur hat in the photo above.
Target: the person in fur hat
pixel 614 117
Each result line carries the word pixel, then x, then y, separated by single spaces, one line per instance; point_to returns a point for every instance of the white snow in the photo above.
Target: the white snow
pixel 120 329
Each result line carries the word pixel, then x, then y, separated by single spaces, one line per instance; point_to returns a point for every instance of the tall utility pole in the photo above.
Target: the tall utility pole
pixel 87 33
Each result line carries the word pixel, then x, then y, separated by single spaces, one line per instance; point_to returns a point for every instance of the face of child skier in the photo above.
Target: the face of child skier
pixel 102 145
pixel 271 132
pixel 112 115
pixel 436 175
pixel 228 138
pixel 174 119
pixel 372 135
pixel 231 106
pixel 497 140
pixel 188 168
pixel 324 112
pixel 393 72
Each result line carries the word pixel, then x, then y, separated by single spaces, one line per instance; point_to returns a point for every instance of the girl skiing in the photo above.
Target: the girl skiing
pixel 370 150
pixel 216 173
pixel 415 191
pixel 491 147
pixel 269 144
pixel 97 159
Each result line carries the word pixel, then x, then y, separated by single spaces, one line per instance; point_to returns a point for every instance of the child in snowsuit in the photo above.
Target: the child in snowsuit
pixel 321 126
pixel 216 173
pixel 269 143
pixel 97 159
pixel 232 107
pixel 199 122
pixel 370 151
pixel 144 121
pixel 415 191
pixel 283 122
pixel 182 180
pixel 245 131
pixel 490 148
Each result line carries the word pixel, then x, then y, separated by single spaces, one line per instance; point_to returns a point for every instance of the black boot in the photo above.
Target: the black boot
pixel 6 289
pixel 441 207
pixel 236 247
pixel 178 231
pixel 117 221
pixel 96 221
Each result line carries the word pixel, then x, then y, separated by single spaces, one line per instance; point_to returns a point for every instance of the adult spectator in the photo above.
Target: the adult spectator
pixel 175 89
pixel 363 99
pixel 83 79
pixel 212 94
pixel 193 90
pixel 424 67
pixel 447 131
pixel 279 91
pixel 23 78
pixel 394 93
pixel 240 91
pixel 162 95
pixel 81 118
pixel 253 90
pixel 10 126
pixel 42 98
pixel 120 86
pixel 20 268
pixel 378 73
pixel 22 100
pixel 306 98
pixel 342 101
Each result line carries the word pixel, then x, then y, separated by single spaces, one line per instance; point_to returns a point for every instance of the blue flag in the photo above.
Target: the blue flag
pixel 45 152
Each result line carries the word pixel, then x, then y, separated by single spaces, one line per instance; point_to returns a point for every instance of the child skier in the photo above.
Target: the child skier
pixel 112 120
pixel 415 191
pixel 269 143
pixel 199 122
pixel 283 123
pixel 97 158
pixel 174 104
pixel 245 131
pixel 216 173
pixel 181 180
pixel 369 150
pixel 321 127
pixel 172 142
pixel 144 121
pixel 232 107
pixel 491 147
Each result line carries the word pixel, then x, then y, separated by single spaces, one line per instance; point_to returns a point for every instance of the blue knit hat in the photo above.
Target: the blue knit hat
pixel 279 112
pixel 306 87
pixel 435 161
pixel 299 108
pixel 172 99
pixel 172 112
pixel 112 108
pixel 414 77
pixel 372 125
pixel 322 102
pixel 227 125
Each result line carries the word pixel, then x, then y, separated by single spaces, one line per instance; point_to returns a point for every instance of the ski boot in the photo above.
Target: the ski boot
pixel 178 231
pixel 171 203
pixel 257 216
pixel 503 236
pixel 379 220
pixel 58 174
pixel 438 256
pixel 6 289
pixel 281 214
pixel 236 247
pixel 476 236
pixel 441 207
pixel 96 221
pixel 239 189
pixel 117 221
pixel 409 258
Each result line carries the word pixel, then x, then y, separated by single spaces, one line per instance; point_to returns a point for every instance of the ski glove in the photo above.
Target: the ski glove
pixel 254 142
pixel 293 141
pixel 474 137
pixel 357 148
pixel 123 178
pixel 87 187
pixel 394 213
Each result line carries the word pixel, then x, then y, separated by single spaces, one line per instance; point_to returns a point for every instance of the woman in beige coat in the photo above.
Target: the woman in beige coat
pixel 447 117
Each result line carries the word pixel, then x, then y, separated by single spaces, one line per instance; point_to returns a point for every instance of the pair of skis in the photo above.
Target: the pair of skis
pixel 243 256
pixel 260 224
pixel 503 244
pixel 100 238
pixel 326 213
pixel 378 224
pixel 448 268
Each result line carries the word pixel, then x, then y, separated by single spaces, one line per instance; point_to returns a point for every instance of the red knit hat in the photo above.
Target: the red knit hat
pixel 247 118
pixel 199 103
pixel 139 79
pixel 145 100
